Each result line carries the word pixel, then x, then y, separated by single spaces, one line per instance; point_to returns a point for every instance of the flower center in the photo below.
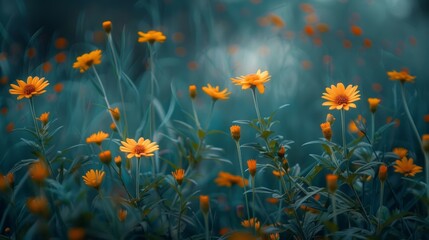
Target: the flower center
pixel 29 89
pixel 341 99
pixel 139 149
pixel 252 78
pixel 89 62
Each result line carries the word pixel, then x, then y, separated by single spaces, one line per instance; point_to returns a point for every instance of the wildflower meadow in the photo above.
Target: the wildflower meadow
pixel 247 119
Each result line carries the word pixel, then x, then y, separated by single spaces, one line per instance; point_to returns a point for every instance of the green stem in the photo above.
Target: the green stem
pixel 237 144
pixel 195 115
pixel 106 100
pixel 206 224
pixel 373 128
pixel 253 197
pixel 210 114
pixel 343 129
pixel 137 178
pixel 180 211
pixel 381 204
pixel 151 107
pixel 39 136
pixel 255 102
pixel 334 208
pixel 416 132
pixel 117 70
pixel 122 181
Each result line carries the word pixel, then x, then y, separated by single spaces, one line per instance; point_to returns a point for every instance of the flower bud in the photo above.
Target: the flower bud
pixel 373 104
pixel 331 182
pixel 105 157
pixel 204 204
pixel 107 26
pixel 192 91
pixel 326 130
pixel 425 142
pixel 235 132
pixel 382 173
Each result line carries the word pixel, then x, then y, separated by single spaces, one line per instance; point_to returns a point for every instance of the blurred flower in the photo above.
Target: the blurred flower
pixel 251 164
pixel 402 76
pixel 118 161
pixel 105 157
pixel 76 233
pixel 340 97
pixel 382 173
pixel 93 178
pixel 204 204
pixel 278 174
pixel 87 60
pixel 215 93
pixel 358 126
pixel 33 86
pixel 107 26
pixel 251 223
pixel 326 130
pixel 425 142
pixel 401 152
pixel 242 236
pixel 113 126
pixel 407 167
pixel 61 43
pixel 235 132
pixel 59 87
pixel 179 174
pixel 331 182
pixel 44 118
pixel 5 182
pixel 138 149
pixel 225 179
pixel 151 37
pixel 97 138
pixel 38 171
pixel 330 118
pixel 192 91
pixel 239 210
pixel 281 152
pixel 272 200
pixel 356 30
pixel 38 206
pixel 373 104
pixel 115 113
pixel 122 214
pixel 309 209
pixel 253 80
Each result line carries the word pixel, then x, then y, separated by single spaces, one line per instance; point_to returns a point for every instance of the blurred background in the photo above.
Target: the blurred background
pixel 305 45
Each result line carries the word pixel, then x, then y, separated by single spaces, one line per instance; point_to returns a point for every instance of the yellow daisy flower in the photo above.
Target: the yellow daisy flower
pixel 87 60
pixel 340 97
pixel 407 167
pixel 402 76
pixel 97 138
pixel 141 148
pixel 151 37
pixel 33 86
pixel 400 151
pixel 215 93
pixel 253 80
pixel 93 178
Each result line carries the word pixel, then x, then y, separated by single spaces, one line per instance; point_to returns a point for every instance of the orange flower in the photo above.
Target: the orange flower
pixel 215 93
pixel 93 178
pixel 38 206
pixel 225 179
pixel 97 138
pixel 251 164
pixel 59 87
pixel 356 30
pixel 115 113
pixel 33 86
pixel 407 167
pixel 192 91
pixel 105 157
pixel 402 76
pixel 76 234
pixel 38 171
pixel 235 132
pixel 87 60
pixel 253 80
pixel 382 173
pixel 331 182
pixel 179 174
pixel 326 130
pixel 204 204
pixel 281 152
pixel 340 97
pixel 251 223
pixel 373 104
pixel 122 214
pixel 151 37
pixel 401 152
pixel 107 26
pixel 278 174
pixel 141 148
pixel 118 161
pixel 44 118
